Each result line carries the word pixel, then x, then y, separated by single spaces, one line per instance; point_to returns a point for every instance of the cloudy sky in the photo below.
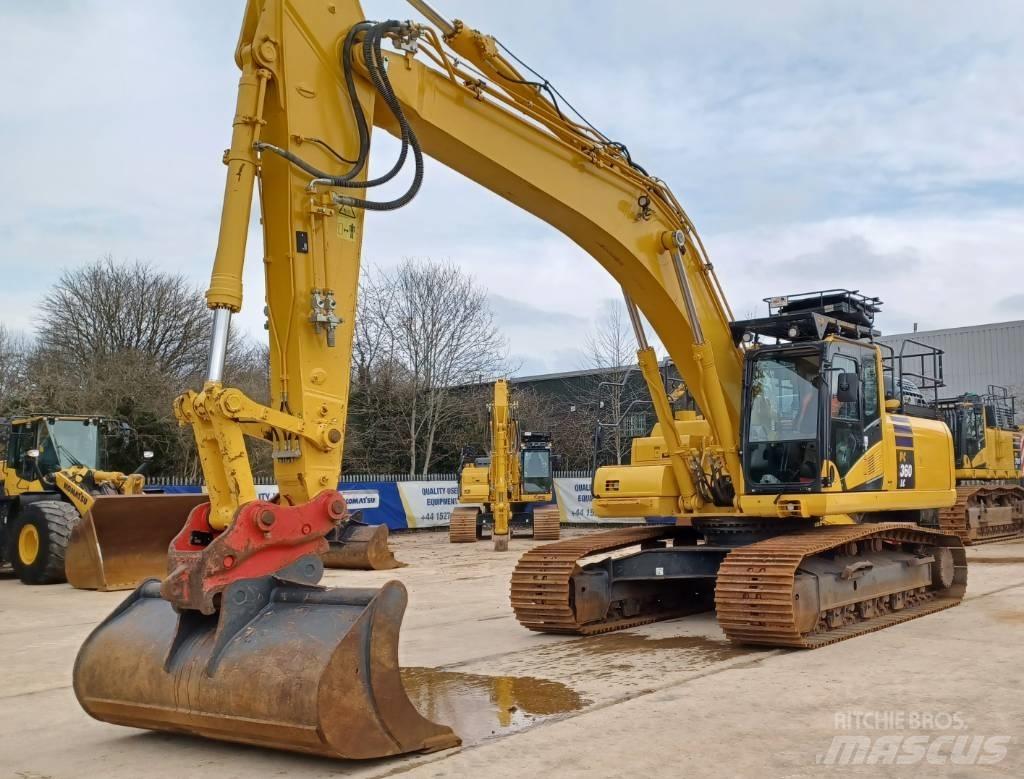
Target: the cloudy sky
pixel 873 145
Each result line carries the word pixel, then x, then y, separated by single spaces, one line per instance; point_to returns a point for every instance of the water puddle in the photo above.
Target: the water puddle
pixel 478 707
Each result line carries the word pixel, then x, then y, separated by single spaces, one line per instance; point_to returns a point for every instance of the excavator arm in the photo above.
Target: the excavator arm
pixel 315 81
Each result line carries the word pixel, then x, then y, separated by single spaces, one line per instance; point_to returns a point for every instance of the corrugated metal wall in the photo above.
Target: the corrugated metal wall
pixel 976 356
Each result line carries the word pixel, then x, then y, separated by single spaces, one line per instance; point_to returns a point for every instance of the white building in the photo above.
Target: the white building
pixel 975 357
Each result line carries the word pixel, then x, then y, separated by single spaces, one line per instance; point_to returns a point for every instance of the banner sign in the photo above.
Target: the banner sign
pixel 428 503
pixel 419 504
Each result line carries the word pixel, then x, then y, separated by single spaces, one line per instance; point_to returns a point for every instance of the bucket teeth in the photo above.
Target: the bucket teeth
pixel 282 665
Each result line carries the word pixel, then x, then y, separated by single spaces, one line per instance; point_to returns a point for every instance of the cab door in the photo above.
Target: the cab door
pixel 846 416
pixel 23 439
pixel 854 425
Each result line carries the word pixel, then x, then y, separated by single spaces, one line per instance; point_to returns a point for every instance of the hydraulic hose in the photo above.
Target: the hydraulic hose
pixel 377 71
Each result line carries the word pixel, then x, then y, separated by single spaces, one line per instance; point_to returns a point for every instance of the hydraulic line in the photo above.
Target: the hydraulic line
pixel 376 68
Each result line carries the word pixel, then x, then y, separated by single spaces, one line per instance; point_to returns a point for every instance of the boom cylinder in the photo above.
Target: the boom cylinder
pixel 226 279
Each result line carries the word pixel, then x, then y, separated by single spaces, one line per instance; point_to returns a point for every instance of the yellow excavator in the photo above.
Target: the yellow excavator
pixel 239 642
pixel 510 486
pixel 987 442
pixel 56 486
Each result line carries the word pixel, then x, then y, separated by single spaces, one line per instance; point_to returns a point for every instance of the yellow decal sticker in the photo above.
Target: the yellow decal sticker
pixel 347 225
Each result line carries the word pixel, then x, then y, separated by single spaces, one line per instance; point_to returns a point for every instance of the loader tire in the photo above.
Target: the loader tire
pixel 40 539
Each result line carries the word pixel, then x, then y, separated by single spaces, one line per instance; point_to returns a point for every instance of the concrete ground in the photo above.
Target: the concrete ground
pixel 943 695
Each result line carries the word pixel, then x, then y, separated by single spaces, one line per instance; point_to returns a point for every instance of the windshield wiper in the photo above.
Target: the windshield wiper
pixel 61 449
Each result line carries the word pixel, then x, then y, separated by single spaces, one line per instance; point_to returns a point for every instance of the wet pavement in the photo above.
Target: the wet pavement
pixel 668 699
pixel 478 707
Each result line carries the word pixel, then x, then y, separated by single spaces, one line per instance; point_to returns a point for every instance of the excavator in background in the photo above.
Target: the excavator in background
pixel 509 485
pixel 987 444
pixel 239 643
pixel 56 486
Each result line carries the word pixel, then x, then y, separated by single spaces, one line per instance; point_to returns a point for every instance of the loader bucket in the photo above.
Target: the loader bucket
pixel 360 547
pixel 282 665
pixel 123 540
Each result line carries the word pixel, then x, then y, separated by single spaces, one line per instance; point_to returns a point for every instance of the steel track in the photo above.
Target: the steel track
pixel 954 518
pixel 754 592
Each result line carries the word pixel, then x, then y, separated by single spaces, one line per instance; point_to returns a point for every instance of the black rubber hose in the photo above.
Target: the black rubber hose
pixel 362 128
pixel 378 76
pixel 377 71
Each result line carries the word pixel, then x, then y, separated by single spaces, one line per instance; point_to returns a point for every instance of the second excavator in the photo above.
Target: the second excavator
pixel 988 443
pixel 512 487
pixel 240 643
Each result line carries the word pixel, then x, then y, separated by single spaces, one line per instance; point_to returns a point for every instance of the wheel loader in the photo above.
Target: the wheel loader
pixel 789 503
pixel 512 487
pixel 57 487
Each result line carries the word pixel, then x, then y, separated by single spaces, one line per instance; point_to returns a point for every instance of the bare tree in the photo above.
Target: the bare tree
pixel 442 332
pixel 108 308
pixel 123 340
pixel 613 394
pixel 14 351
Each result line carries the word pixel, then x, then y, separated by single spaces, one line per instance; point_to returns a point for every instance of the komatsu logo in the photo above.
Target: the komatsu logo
pixel 76 493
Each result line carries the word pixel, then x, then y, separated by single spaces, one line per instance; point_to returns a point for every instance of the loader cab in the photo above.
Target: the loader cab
pixel 535 463
pixel 812 401
pixel 38 447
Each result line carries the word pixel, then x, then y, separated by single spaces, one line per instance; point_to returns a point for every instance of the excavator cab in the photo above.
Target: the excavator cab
pixel 813 406
pixel 535 464
pixel 980 425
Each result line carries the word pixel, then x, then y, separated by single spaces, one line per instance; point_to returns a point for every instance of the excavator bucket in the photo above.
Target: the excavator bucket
pixel 281 665
pixel 123 540
pixel 360 547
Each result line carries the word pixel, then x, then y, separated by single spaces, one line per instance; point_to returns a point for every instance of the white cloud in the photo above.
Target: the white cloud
pixel 799 135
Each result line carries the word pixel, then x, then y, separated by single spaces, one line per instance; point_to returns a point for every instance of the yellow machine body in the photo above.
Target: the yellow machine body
pixel 301 96
pixel 990 481
pixel 69 501
pixel 515 474
pixel 870 484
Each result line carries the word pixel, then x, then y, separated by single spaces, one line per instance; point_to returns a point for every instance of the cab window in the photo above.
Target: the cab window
pixel 847 427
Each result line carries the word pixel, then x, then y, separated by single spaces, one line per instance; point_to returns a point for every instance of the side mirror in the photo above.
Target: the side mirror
pixel 33 453
pixel 147 455
pixel 892 405
pixel 848 388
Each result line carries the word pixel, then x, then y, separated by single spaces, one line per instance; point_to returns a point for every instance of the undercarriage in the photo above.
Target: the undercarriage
pixel 469 524
pixel 799 586
pixel 984 512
